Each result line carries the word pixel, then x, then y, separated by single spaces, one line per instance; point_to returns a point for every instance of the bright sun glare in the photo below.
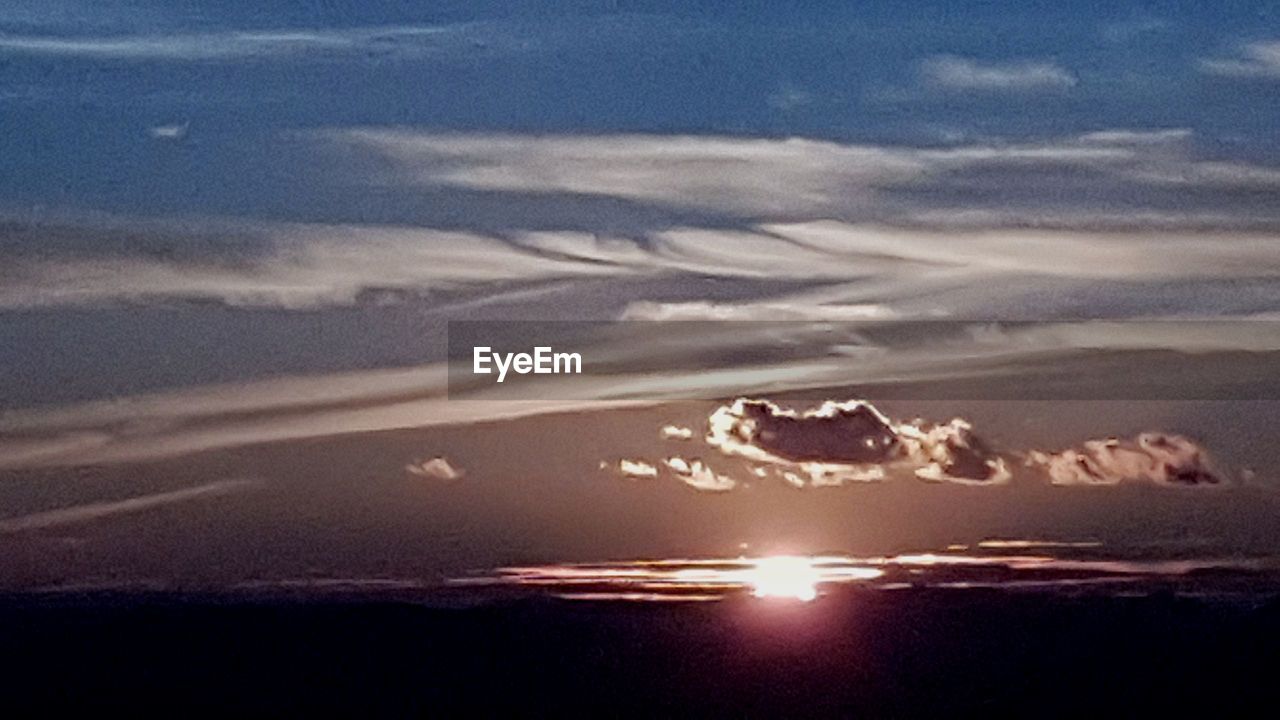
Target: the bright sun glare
pixel 784 577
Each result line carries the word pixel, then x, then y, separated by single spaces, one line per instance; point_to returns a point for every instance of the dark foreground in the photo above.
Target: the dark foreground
pixel 862 653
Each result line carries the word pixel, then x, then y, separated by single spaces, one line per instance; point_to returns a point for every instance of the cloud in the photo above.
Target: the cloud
pixel 753 311
pixel 901 261
pixel 98 510
pixel 763 208
pixel 1050 181
pixel 951 72
pixel 675 432
pixel 850 441
pixel 187 47
pixel 169 132
pixel 437 468
pixel 693 472
pixel 1121 136
pixel 724 174
pixel 837 443
pixel 1256 60
pixel 637 469
pixel 851 432
pixel 788 98
pixel 1133 29
pixel 1169 460
pixel 952 453
pixel 314 266
pixel 268 44
pixel 698 476
pixel 1003 544
pixel 671 362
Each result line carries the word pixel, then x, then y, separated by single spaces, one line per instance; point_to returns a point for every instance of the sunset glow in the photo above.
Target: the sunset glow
pixel 785 577
pixel 805 577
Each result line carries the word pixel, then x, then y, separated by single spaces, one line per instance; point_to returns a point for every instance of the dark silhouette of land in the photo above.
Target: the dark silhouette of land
pixel 852 653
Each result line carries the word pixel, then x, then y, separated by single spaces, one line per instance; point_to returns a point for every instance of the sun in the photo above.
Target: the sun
pixel 788 577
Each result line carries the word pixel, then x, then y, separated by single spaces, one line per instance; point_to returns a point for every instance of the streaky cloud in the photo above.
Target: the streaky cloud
pixel 88 512
pixel 956 73
pixel 239 44
pixel 1260 59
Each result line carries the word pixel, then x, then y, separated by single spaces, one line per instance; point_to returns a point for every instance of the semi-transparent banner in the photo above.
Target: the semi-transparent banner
pixel 660 360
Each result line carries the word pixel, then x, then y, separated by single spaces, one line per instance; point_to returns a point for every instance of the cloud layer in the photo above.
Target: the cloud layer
pixel 852 441
pixel 1121 204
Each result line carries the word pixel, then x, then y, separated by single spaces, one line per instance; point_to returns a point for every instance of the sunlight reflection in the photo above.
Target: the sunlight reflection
pixel 806 577
pixel 793 577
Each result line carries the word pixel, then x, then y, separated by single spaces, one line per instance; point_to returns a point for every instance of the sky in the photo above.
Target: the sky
pixel 232 239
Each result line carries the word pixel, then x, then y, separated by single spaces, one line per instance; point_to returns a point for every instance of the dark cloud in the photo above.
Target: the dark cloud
pixel 836 432
pixel 840 441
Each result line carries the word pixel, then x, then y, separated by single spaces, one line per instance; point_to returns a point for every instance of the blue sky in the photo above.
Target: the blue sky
pixel 180 109
pixel 481 155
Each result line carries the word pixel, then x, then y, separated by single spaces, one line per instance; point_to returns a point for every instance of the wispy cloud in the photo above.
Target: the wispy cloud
pixel 773 208
pixel 175 131
pixel 95 511
pixel 190 420
pixel 951 72
pixel 1134 28
pixel 798 230
pixel 767 179
pixel 231 45
pixel 1259 59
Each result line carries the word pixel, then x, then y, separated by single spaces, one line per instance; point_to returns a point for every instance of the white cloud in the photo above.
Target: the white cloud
pixel 951 72
pixel 245 44
pixel 713 173
pixel 1256 59
pixel 698 476
pixel 637 469
pixel 793 179
pixel 676 432
pixel 169 132
pixel 804 209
